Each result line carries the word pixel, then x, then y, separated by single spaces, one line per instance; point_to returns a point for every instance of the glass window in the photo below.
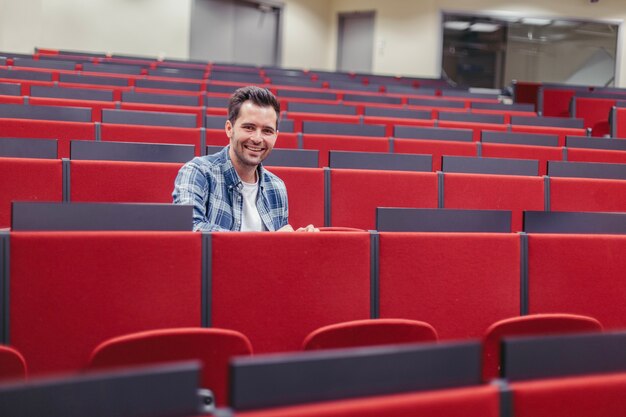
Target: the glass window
pixel 490 52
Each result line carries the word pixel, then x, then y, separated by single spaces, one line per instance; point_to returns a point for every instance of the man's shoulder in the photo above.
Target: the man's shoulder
pixel 271 178
pixel 207 162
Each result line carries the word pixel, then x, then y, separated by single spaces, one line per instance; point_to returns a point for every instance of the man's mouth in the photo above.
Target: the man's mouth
pixel 253 148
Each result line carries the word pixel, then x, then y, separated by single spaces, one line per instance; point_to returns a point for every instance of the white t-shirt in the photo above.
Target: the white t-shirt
pixel 250 218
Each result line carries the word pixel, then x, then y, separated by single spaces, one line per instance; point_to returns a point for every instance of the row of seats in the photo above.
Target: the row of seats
pixel 132 281
pixel 329 197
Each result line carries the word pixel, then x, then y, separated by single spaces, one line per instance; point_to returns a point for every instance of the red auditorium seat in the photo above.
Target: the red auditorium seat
pixel 583 270
pixel 117 181
pixel 303 282
pixel 596 155
pixel 534 324
pixel 562 132
pixel 479 401
pixel 541 153
pixel 25 179
pixel 582 396
pixel 213 347
pixel 151 134
pixel 49 129
pixel 305 191
pixel 458 282
pixel 618 123
pixel 72 290
pixel 356 193
pixel 436 148
pixel 369 333
pixel 494 192
pixel 12 364
pixel 325 143
pixel 587 194
pixel 595 112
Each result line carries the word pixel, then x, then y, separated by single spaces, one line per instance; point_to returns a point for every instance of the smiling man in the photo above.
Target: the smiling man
pixel 231 190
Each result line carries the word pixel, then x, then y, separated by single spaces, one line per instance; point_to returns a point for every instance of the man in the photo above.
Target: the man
pixel 231 190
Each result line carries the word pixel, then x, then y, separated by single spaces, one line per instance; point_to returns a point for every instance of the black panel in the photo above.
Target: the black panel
pixel 4 286
pixel 218 88
pixel 407 89
pixel 221 102
pixel 374 275
pixel 574 222
pixel 93 79
pixel 3 60
pixel 177 73
pixel 132 117
pixel 158 391
pixel 502 106
pixel 433 102
pixel 292 158
pixel 354 86
pixel 471 117
pixel 168 85
pixel 215 122
pixel 442 220
pixel 586 170
pixel 71 93
pixel 128 151
pixel 520 138
pixel 245 77
pixel 277 380
pixel 9 89
pixel 171 99
pixel 410 132
pixel 449 92
pixel 70 114
pixel 557 356
pixel 285 72
pixel 380 161
pixel 330 128
pixel 401 113
pixel 372 98
pixel 25 75
pixel 112 68
pixel 595 143
pixel 321 95
pixel 285 125
pixel 110 216
pixel 28 148
pixel 321 108
pixel 498 166
pixel 566 122
pixel 31 63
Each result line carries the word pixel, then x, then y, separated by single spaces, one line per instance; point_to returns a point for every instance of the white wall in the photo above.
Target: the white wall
pixel 140 27
pixel 407 33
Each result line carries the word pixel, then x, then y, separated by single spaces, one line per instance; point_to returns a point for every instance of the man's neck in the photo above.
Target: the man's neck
pixel 246 174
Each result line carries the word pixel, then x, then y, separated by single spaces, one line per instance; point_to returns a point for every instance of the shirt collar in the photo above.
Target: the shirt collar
pixel 230 173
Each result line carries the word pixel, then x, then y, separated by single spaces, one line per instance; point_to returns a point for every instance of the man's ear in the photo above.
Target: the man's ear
pixel 228 128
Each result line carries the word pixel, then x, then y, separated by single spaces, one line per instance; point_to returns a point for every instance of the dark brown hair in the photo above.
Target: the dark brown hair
pixel 260 96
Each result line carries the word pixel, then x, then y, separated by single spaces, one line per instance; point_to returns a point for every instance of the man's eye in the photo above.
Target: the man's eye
pixel 248 127
pixel 268 131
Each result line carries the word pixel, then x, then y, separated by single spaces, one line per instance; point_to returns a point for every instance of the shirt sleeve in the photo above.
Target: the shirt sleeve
pixel 192 187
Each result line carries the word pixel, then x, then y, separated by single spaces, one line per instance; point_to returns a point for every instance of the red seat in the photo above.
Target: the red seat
pixel 25 179
pixel 541 153
pixel 151 134
pixel 596 155
pixel 587 194
pixel 369 333
pixel 458 282
pixel 12 364
pixel 479 401
pixel 213 347
pixel 535 324
pixel 325 143
pixel 494 192
pixel 582 396
pixel 436 148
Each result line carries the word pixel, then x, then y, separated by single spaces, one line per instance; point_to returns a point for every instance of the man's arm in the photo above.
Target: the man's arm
pixel 192 188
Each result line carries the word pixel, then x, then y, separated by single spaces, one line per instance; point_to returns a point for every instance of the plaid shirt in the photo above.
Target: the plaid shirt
pixel 211 184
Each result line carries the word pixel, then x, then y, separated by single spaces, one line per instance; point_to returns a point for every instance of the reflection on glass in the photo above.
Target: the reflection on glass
pixel 490 52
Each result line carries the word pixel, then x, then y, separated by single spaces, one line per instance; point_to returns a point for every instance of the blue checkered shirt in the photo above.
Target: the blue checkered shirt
pixel 211 184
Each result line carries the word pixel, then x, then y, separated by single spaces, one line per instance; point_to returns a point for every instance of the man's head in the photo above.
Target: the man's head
pixel 251 128
pixel 261 97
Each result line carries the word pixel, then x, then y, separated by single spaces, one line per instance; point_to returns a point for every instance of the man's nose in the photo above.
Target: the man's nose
pixel 257 135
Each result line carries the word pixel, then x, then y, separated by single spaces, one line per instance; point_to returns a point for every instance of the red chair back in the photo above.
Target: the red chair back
pixel 213 347
pixel 369 333
pixel 534 324
pixel 12 364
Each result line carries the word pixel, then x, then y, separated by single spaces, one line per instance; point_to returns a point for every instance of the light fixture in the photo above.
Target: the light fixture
pixel 456 25
pixel 484 27
pixel 534 21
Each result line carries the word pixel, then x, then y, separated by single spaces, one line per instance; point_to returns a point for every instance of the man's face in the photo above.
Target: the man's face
pixel 253 134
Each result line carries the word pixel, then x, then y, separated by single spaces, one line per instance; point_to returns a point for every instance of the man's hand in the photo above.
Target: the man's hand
pixel 309 228
pixel 288 228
